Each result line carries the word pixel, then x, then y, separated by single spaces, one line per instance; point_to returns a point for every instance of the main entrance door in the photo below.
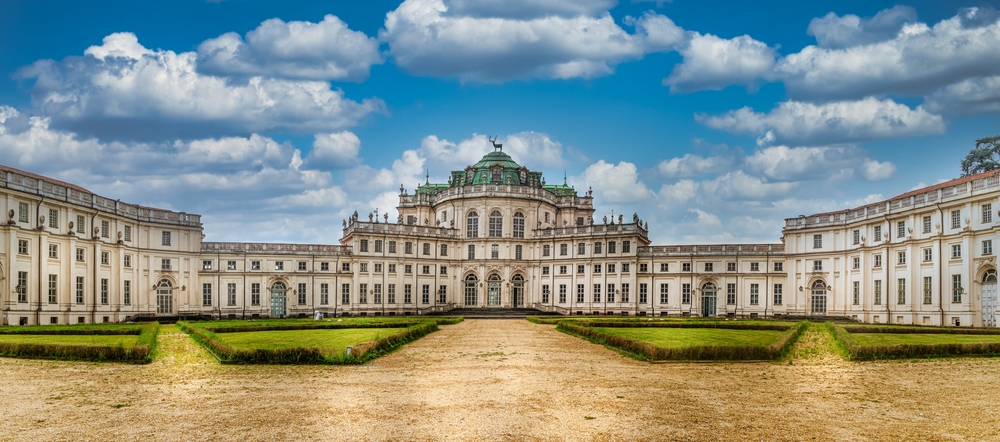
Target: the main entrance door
pixel 278 300
pixel 517 291
pixel 471 291
pixel 990 299
pixel 708 300
pixel 819 298
pixel 493 291
pixel 164 298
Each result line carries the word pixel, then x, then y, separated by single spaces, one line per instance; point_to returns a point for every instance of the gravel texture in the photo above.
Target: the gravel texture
pixel 501 379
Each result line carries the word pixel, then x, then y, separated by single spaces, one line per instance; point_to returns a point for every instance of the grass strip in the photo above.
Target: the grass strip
pixel 651 352
pixel 860 352
pixel 138 353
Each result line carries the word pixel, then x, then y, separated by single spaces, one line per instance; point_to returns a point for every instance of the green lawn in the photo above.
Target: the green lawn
pixel 104 340
pixel 332 339
pixel 686 337
pixel 920 338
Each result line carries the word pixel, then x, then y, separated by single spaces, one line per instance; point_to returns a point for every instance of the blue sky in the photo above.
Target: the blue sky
pixel 713 120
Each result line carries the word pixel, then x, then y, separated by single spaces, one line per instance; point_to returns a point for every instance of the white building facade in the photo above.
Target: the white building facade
pixel 496 236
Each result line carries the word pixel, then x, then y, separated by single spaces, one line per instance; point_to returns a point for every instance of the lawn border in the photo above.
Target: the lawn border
pixel 139 353
pixel 910 351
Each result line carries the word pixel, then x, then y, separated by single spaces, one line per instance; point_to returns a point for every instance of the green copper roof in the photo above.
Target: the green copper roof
pixel 497 168
pixel 497 157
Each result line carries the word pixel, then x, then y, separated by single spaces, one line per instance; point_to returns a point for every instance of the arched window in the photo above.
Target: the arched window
pixel 164 297
pixel 497 173
pixel 471 291
pixel 990 277
pixel 518 225
pixel 496 224
pixel 472 225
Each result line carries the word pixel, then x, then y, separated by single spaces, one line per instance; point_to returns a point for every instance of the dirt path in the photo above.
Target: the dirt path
pixel 500 379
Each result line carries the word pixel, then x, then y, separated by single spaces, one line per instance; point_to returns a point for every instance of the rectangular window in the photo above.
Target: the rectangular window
pixel 495 251
pixel 754 294
pixel 597 293
pixel 643 268
pixel 878 233
pixel 408 294
pixel 817 266
pixel 165 264
pixel 81 224
pixel 900 258
pixel 730 293
pixel 53 279
pixel 730 266
pixel 22 287
pixel 856 262
pixel 685 293
pixel 408 268
pixel 988 247
pixel 392 246
pixel 79 290
pixel 956 251
pixel 363 293
pixel 302 292
pixel 206 265
pixel 79 255
pixel 444 270
pixel 231 294
pixel 392 268
pixel 562 270
pixel 857 292
pixel 302 265
pixel 779 267
pixel 754 266
pixel 901 291
pixel 580 293
pixel 54 218
pixel 345 267
pixel 206 294
pixel 443 294
pixel 127 292
pixel 230 265
pixel 517 252
pixel 427 248
pixel 928 289
pixel 625 267
pixel 563 249
pixel 255 293
pixel 901 229
pixel 22 247
pixel 545 270
pixel 324 293
pixel 472 251
pixel 857 237
pixel 581 249
pixel 364 245
pixel 817 241
pixel 878 292
pixel 378 268
pixel 611 268
pixel 254 265
pixel 545 293
pixel 104 291
pixel 472 226
pixel 877 260
pixel 626 246
pixel 105 227
pixel 956 288
pixel 778 288
pixel 345 294
pixel 664 267
pixel 427 270
pixel 378 246
pixel 708 267
pixel 987 213
pixel 686 267
pixel 597 248
pixel 597 268
pixel 956 219
pixel 363 267
pixel 611 247
pixel 105 258
pixel 22 212
pixel 928 255
pixel 391 292
pixel 562 293
pixel 165 239
pixel 927 224
pixel 611 291
pixel 53 251
pixel 546 250
pixel 378 293
pixel 580 269
pixel 664 293
pixel 408 248
pixel 444 249
pixel 128 234
pixel 425 294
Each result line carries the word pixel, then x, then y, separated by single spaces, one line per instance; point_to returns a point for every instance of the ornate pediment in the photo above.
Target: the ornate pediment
pixel 983 262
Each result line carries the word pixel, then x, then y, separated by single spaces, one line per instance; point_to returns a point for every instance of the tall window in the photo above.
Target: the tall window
pixel 255 293
pixel 581 249
pixel 496 224
pixel 956 288
pixel 901 229
pixel 363 293
pixel 664 293
pixel 597 248
pixel 579 292
pixel 956 219
pixel 857 237
pixel 302 293
pixel 597 293
pixel 80 224
pixel 231 294
pixel 777 294
pixel 546 250
pixel 392 246
pixel 987 213
pixel 53 250
pixel 472 251
pixel 79 290
pixel 625 292
pixel 626 246
pixel 928 288
pixel 878 233
pixel 856 262
pixel 22 287
pixel 685 293
pixel 956 250
pixel 53 218
pixel 391 293
pixel 563 249
pixel 495 251
pixel 730 293
pixel 877 260
pixel 900 257
pixel 988 247
pixel 206 294
pixel 754 294
pixel 345 293
pixel 22 212
pixel 518 225
pixel 408 248
pixel 443 294
pixel 127 234
pixel 52 288
pixel 324 293
pixel 378 246
pixel 127 292
pixel 611 293
pixel 857 292
pixel 165 239
pixel 927 224
pixel 378 294
pixel 444 249
pixel 611 247
pixel 104 291
pixel 425 294
pixel 562 293
pixel 105 227
pixel 472 225
pixel 545 293
pixel 364 245
pixel 901 291
pixel 817 241
pixel 878 292
pixel 517 251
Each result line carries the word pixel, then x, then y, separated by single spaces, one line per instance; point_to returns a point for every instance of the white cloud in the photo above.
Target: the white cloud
pixel 526 9
pixel 816 163
pixel 121 90
pixel 833 31
pixel 877 171
pixel 334 150
pixel 711 62
pixel 972 96
pixel 327 50
pixel 920 58
pixel 613 184
pixel 803 123
pixel 692 165
pixel 425 38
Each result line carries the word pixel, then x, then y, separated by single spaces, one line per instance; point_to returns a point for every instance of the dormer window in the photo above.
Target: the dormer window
pixel 524 177
pixel 468 176
pixel 496 174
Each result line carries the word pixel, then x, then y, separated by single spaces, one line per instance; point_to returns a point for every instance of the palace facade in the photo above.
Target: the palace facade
pixel 495 236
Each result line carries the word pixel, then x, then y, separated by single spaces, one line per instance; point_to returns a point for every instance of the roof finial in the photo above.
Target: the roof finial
pixel 564 177
pixel 428 175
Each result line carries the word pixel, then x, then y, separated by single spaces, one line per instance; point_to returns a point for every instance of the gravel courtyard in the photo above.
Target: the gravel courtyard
pixel 501 379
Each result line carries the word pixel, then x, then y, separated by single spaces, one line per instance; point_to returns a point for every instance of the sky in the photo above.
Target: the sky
pixel 713 120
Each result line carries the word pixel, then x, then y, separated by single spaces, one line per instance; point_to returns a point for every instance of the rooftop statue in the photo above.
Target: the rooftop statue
pixel 496 147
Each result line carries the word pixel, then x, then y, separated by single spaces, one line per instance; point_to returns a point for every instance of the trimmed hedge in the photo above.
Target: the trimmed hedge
pixel 228 354
pixel 905 351
pixel 921 330
pixel 652 353
pixel 138 353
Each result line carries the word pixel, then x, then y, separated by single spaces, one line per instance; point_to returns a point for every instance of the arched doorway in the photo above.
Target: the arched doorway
pixel 471 291
pixel 819 298
pixel 164 298
pixel 517 291
pixel 493 290
pixel 990 298
pixel 708 300
pixel 278 300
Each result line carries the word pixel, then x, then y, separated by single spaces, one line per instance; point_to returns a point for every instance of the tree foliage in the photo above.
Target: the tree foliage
pixel 984 157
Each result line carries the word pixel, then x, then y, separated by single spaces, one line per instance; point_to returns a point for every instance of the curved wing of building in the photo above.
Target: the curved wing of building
pixel 496 235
